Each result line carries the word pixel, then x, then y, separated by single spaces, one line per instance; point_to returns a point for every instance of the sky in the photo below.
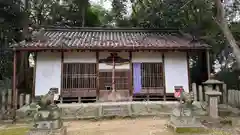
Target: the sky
pixel 107 4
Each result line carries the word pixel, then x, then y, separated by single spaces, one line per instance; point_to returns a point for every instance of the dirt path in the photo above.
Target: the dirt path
pixel 143 126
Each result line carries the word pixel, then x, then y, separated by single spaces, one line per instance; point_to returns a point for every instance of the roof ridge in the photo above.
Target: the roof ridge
pixel 107 29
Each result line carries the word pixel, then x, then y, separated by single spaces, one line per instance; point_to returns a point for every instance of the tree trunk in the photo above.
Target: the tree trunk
pixel 222 22
pixel 83 16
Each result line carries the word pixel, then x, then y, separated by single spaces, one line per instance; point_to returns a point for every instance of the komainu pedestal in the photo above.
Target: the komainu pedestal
pixel 61 131
pixel 47 120
pixel 182 119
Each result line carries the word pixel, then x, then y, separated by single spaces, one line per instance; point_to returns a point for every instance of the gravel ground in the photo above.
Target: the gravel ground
pixel 138 126
pixel 141 126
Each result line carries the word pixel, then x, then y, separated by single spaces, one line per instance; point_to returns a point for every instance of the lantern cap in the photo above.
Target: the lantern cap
pixel 212 80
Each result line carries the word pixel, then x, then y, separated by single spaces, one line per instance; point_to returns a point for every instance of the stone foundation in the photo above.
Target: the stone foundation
pixel 61 131
pixel 108 109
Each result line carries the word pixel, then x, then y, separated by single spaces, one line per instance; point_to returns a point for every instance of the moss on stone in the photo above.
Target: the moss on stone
pixel 190 130
pixel 14 131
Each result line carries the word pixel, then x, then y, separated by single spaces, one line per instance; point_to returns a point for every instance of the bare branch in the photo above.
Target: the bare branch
pixel 186 4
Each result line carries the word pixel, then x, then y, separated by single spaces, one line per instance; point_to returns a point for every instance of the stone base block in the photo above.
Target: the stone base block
pixel 53 124
pixel 115 110
pixel 61 131
pixel 179 128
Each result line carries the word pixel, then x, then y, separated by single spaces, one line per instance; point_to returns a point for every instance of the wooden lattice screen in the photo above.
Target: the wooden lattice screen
pixel 79 75
pixel 121 79
pixel 151 75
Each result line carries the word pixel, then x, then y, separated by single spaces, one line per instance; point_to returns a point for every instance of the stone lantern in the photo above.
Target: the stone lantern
pixel 212 93
pixel 211 82
pixel 212 85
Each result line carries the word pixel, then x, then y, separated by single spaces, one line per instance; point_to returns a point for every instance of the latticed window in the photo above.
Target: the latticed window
pixel 147 76
pixel 151 75
pixel 79 75
pixel 121 80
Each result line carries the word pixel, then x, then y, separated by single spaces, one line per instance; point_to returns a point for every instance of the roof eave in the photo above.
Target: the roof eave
pixel 101 49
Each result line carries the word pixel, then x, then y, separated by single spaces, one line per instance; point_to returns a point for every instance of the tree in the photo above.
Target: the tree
pixel 118 13
pixel 223 24
pixel 102 14
pixel 10 27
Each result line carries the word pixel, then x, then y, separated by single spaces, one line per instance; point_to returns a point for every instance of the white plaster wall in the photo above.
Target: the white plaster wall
pixel 176 71
pixel 48 72
pixel 79 57
pixel 146 57
pixel 104 55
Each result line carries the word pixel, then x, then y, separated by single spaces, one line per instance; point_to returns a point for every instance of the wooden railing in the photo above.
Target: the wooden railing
pixel 199 93
pixel 234 98
pixel 6 101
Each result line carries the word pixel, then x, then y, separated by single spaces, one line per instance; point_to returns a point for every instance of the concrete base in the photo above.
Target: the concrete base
pixel 180 128
pixel 61 131
pixel 77 111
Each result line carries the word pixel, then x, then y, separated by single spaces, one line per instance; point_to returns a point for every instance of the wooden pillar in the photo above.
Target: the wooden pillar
pixel 163 70
pixel 130 75
pixel 34 76
pixel 61 89
pixel 97 77
pixel 189 77
pixel 208 63
pixel 14 83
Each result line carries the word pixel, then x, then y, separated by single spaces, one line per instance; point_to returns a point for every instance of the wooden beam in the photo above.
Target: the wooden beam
pixel 130 75
pixel 14 84
pixel 34 76
pixel 189 77
pixel 163 70
pixel 97 78
pixel 208 64
pixel 166 49
pixel 62 58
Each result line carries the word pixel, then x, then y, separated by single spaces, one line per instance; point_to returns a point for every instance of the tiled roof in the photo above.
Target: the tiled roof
pixel 105 38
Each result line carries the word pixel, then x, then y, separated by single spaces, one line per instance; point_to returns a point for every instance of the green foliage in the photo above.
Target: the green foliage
pixel 231 78
pixel 5 84
pixel 98 16
pixel 196 18
pixel 118 13
pixel 10 26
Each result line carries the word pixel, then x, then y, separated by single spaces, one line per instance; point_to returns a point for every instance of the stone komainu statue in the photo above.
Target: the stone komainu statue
pixel 187 98
pixel 46 100
pixel 48 114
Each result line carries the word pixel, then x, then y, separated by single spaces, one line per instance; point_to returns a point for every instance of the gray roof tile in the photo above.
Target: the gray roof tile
pixel 111 39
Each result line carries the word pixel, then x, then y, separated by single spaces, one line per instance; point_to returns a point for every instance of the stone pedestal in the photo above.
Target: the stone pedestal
pixel 213 103
pixel 60 131
pixel 53 124
pixel 187 122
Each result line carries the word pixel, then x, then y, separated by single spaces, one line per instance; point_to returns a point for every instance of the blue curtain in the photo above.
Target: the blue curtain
pixel 137 77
